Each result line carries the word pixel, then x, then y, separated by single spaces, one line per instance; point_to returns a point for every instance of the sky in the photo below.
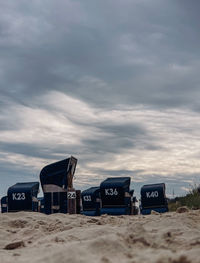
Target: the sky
pixel 114 83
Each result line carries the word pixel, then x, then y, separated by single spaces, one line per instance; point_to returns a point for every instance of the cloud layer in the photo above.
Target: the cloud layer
pixel 136 141
pixel 115 83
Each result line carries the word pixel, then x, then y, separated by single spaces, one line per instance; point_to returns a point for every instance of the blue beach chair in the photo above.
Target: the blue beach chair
pixel 23 197
pixel 55 179
pixel 4 204
pixel 153 198
pixel 116 196
pixel 91 201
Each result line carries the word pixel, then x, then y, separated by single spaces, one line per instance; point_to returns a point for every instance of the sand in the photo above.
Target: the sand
pixel 34 237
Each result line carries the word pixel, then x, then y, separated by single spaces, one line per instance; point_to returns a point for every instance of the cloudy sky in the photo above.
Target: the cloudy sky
pixel 114 83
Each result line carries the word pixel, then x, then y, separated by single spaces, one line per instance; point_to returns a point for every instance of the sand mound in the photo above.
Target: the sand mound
pixel 34 237
pixel 182 209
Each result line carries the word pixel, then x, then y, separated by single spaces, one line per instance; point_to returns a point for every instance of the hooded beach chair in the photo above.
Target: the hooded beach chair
pixel 56 179
pixel 153 198
pixel 91 201
pixel 116 196
pixel 23 197
pixel 4 204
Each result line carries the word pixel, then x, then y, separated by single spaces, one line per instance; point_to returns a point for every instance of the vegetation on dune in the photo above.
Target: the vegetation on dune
pixel 191 200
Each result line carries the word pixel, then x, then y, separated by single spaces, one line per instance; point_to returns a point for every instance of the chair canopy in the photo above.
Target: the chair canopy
pixel 58 174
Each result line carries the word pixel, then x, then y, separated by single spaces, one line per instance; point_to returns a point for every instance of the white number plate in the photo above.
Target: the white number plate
pixel 71 195
pixel 111 191
pixel 87 198
pixel 153 194
pixel 18 196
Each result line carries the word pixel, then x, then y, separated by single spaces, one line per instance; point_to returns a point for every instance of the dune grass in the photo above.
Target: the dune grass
pixel 191 200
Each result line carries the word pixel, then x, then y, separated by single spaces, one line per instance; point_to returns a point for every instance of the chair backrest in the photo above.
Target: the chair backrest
pixel 22 196
pixel 91 198
pixel 115 192
pixel 153 195
pixel 56 178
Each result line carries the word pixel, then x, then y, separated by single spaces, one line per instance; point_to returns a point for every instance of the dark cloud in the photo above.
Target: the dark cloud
pixel 129 51
pixel 121 138
pixel 126 131
pixel 27 150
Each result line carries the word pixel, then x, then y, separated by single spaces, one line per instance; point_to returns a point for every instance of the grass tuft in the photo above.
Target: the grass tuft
pixel 191 200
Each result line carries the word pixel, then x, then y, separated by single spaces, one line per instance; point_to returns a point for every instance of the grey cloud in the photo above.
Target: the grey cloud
pixel 100 46
pixel 44 151
pixel 123 130
pixel 111 145
pixel 117 138
pixel 120 172
pixel 122 137
pixel 27 150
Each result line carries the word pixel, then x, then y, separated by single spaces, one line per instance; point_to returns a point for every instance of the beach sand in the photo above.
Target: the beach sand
pixel 161 238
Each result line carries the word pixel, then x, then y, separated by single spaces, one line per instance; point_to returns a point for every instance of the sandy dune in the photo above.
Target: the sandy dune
pixel 34 237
